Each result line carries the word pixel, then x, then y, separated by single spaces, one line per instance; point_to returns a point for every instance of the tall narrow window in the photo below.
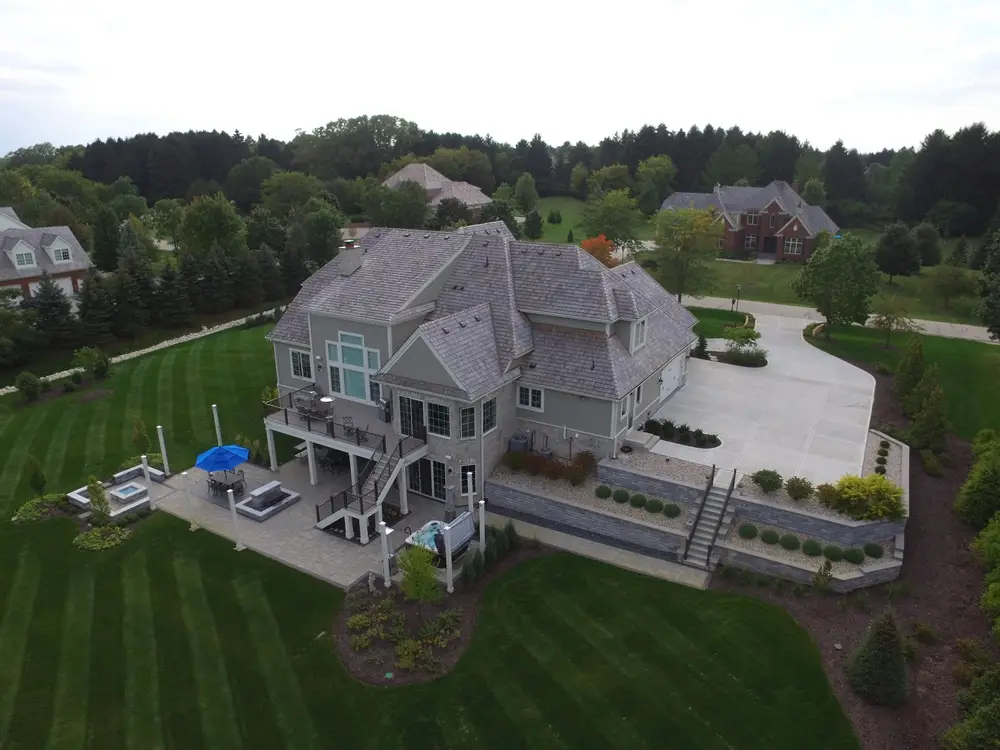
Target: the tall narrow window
pixel 438 480
pixel 489 415
pixel 468 422
pixel 466 470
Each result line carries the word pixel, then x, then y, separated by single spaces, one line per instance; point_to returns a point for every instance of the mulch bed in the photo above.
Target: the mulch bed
pixel 372 664
pixel 942 583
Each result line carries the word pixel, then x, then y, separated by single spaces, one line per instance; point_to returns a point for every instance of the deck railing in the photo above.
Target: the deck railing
pixel 295 409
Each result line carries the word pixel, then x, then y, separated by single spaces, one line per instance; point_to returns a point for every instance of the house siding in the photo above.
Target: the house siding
pixel 323 329
pixel 401 333
pixel 419 363
pixel 565 417
pixel 282 359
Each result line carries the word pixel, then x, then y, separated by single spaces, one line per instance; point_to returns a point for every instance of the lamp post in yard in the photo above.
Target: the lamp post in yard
pixel 739 288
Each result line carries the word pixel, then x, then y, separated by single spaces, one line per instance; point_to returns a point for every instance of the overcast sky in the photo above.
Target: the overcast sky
pixel 875 73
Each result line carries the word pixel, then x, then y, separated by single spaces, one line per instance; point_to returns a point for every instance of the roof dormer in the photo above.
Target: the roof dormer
pixel 59 251
pixel 22 255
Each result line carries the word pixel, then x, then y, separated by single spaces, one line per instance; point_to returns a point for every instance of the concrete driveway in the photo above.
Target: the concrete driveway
pixel 805 414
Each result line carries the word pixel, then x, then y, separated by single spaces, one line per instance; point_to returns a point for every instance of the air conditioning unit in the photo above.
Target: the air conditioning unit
pixel 518 443
pixel 544 452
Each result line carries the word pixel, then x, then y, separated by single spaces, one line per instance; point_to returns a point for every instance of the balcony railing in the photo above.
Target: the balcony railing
pixel 303 409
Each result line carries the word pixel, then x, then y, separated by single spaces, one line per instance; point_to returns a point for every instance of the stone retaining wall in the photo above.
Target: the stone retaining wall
pixel 612 530
pixel 651 485
pixel 846 531
pixel 882 571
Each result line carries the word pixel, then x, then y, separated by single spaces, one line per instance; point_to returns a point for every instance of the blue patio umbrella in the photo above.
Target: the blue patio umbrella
pixel 222 458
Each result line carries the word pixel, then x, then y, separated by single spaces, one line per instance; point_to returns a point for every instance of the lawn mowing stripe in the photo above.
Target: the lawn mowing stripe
pixel 218 716
pixel 105 718
pixel 118 425
pixel 10 472
pixel 14 627
pixel 55 457
pixel 95 455
pixel 142 686
pixel 180 433
pixel 134 399
pixel 199 407
pixel 69 714
pixel 39 446
pixel 73 474
pixel 283 687
pixel 162 400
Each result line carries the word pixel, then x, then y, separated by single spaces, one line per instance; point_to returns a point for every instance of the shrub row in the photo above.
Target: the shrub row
pixel 101 538
pixel 622 496
pixel 575 471
pixel 811 547
pixel 499 542
pixel 666 429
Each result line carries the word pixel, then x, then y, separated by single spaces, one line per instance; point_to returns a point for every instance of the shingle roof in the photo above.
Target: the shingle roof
pixel 636 277
pixel 427 177
pixel 39 239
pixel 701 201
pixel 10 213
pixel 817 220
pixel 487 228
pixel 463 192
pixel 466 344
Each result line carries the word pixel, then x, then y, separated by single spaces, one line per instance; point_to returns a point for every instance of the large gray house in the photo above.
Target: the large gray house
pixel 427 353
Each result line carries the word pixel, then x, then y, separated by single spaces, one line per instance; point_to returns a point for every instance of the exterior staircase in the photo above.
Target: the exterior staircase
pixel 706 529
pixel 384 473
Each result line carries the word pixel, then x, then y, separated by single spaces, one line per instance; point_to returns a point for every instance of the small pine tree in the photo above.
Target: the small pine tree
pixel 248 286
pixel 53 312
pixel 140 437
pixel 96 311
pixel 823 576
pixel 35 475
pixel 930 427
pixel 128 307
pixel 960 255
pixel 172 304
pixel 914 401
pixel 106 231
pixel 136 264
pixel 569 237
pixel 217 283
pixel 910 369
pixel 293 269
pixel 270 274
pixel 877 669
pixel 533 225
pixel 701 350
pixel 979 498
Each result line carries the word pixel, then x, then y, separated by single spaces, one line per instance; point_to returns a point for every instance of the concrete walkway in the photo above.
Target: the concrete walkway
pixel 807 314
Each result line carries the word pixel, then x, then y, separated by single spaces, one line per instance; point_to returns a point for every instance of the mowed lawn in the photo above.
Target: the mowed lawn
pixel 711 323
pixel 572 216
pixel 176 641
pixel 970 371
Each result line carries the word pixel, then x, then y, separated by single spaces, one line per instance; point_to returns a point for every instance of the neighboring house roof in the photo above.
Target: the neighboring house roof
pixel 738 199
pixel 10 213
pixel 437 186
pixel 39 240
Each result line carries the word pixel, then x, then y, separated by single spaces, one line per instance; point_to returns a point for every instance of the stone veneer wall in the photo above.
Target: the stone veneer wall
pixel 651 485
pixel 612 530
pixel 846 532
pixel 882 571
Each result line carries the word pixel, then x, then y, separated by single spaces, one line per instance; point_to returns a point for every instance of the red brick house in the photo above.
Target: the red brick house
pixel 770 221
pixel 26 253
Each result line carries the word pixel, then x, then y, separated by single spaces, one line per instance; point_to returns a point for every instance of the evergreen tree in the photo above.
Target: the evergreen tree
pixel 569 237
pixel 979 498
pixel 293 269
pixel 910 369
pixel 248 287
pixel 53 313
pixel 877 669
pixel 914 401
pixel 96 311
pixel 35 475
pixel 173 307
pixel 533 225
pixel 138 267
pixel 129 309
pixel 649 199
pixel 960 255
pixel 525 194
pixel 929 428
pixel 128 239
pixel 928 241
pixel 106 231
pixel 217 284
pixel 270 273
pixel 189 273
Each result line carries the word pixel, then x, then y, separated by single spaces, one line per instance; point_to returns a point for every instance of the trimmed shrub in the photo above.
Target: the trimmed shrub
pixel 812 548
pixel 790 542
pixel 684 437
pixel 931 464
pixel 654 506
pixel 69 386
pixel 767 479
pixel 833 553
pixel 586 460
pixel 854 555
pixel 667 429
pixel 101 538
pixel 37 508
pixel 979 498
pixel 799 488
pixel 637 501
pixel 884 444
pixel 924 632
pixel 76 378
pixel 869 498
pixel 28 385
pixel 827 495
pixel 513 538
pixel 652 427
pixel 877 669
pixel 621 496
pixel 882 368
pixel 155 460
pixel 881 460
pixel 748 531
pixel 880 470
pixel 553 469
pixel 534 463
pixel 769 536
pixel 603 492
pixel 874 550
pixel 671 510
pixel 883 451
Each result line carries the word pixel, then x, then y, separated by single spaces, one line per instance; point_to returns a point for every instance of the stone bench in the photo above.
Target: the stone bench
pixel 266 494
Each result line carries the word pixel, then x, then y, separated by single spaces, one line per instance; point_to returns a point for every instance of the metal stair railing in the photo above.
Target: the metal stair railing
pixel 701 507
pixel 722 515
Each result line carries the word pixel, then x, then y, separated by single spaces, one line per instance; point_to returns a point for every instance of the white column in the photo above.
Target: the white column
pixel 236 523
pixel 469 484
pixel 311 455
pixel 163 450
pixel 378 513
pixel 404 503
pixel 149 489
pixel 354 469
pixel 482 525
pixel 218 429
pixel 363 525
pixel 384 532
pixel 348 526
pixel 271 453
pixel 187 501
pixel 449 580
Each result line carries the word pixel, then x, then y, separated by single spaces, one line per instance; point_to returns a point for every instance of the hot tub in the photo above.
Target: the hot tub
pixel 424 536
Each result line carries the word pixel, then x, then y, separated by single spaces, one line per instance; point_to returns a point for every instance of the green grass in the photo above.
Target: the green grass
pixel 969 371
pixel 572 216
pixel 711 323
pixel 176 641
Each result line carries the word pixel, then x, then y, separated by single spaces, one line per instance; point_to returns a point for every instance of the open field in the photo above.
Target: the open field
pixel 176 641
pixel 969 371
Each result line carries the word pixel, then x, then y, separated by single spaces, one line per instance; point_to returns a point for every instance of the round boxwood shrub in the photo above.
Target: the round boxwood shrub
pixel 883 451
pixel 603 492
pixel 884 444
pixel 874 550
pixel 748 531
pixel 620 496
pixel 637 501
pixel 654 506
pixel 790 542
pixel 671 510
pixel 812 548
pixel 833 553
pixel 854 555
pixel 880 460
pixel 879 469
pixel 768 480
pixel 769 536
pixel 798 488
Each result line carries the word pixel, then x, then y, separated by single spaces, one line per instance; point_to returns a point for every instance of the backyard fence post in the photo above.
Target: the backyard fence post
pixel 384 532
pixel 149 489
pixel 236 524
pixel 449 584
pixel 163 449
pixel 187 501
pixel 468 478
pixel 482 525
pixel 218 429
pixel 271 454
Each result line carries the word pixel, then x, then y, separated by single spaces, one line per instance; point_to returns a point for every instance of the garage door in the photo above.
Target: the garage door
pixel 671 377
pixel 66 284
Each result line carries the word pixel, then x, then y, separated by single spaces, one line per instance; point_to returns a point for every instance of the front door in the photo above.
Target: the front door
pixel 411 417
pixel 770 245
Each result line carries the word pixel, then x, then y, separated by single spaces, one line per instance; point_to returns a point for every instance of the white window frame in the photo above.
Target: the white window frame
pixel 21 254
pixel 428 420
pixel 720 244
pixel 638 394
pixel 368 357
pixel 753 219
pixel 623 412
pixel 486 403
pixel 444 483
pixel 750 242
pixel 461 422
pixel 772 221
pixel 638 334
pixel 793 246
pixel 56 255
pixel 531 393
pixel 463 484
pixel 308 361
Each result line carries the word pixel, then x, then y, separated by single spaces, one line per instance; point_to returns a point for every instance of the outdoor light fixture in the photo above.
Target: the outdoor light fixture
pixel 319 363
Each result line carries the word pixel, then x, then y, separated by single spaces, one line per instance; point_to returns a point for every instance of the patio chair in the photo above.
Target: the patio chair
pixel 349 428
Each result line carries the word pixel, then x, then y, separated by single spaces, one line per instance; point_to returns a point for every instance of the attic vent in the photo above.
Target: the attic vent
pixel 558 252
pixel 524 251
pixel 426 236
pixel 593 365
pixel 476 318
pixel 633 272
pixel 445 330
pixel 541 252
pixel 487 264
pixel 454 287
pixel 461 324
pixel 378 234
pixel 406 234
pixel 532 366
pixel 447 236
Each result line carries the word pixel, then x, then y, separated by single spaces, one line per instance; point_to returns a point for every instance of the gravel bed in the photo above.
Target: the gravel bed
pixel 583 495
pixel 893 464
pixel 688 472
pixel 781 498
pixel 797 557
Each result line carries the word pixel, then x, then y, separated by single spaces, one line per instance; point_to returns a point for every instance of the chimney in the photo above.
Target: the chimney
pixel 350 258
pixel 795 186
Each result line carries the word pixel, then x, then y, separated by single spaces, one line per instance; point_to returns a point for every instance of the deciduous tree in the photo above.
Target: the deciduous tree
pixel 959 256
pixel 890 315
pixel 730 163
pixel 616 215
pixel 814 192
pixel 244 181
pixel 420 583
pixel 264 228
pixel 686 247
pixel 525 194
pixel 504 193
pixel 404 206
pixel 840 280
pixel 498 210
pixel 658 171
pixel 896 251
pixel 168 215
pixel 212 220
pixel 951 282
pixel 928 242
pixel 578 179
pixel 601 248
